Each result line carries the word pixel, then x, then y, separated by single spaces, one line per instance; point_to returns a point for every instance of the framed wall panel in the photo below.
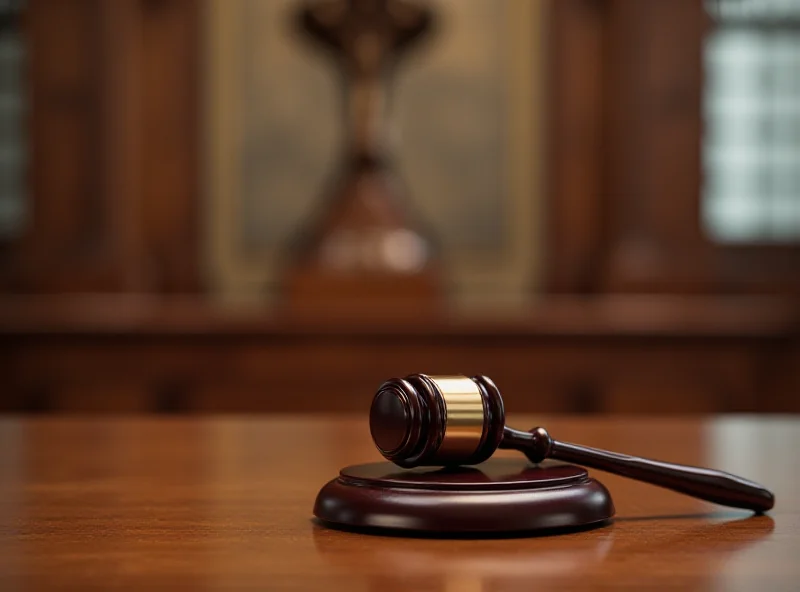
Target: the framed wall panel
pixel 466 112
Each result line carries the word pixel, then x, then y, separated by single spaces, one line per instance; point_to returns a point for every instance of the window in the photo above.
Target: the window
pixel 751 148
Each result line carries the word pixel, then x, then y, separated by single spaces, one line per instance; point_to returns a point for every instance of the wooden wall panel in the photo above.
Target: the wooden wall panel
pixel 626 84
pixel 624 136
pixel 652 98
pixel 113 129
pixel 656 355
pixel 341 373
pixel 171 200
pixel 66 228
pixel 575 209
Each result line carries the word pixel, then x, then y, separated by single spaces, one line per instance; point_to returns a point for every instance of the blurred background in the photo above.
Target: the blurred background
pixel 274 205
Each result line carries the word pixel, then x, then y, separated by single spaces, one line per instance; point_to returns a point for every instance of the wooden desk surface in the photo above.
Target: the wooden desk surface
pixel 226 502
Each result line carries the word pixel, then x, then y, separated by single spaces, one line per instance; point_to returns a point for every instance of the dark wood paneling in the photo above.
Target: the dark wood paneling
pixel 626 87
pixel 601 355
pixel 66 233
pixel 171 204
pixel 341 372
pixel 626 123
pixel 653 90
pixel 757 268
pixel 113 134
pixel 574 232
pixel 115 182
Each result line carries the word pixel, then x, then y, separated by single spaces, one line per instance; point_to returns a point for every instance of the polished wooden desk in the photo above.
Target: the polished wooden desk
pixel 226 502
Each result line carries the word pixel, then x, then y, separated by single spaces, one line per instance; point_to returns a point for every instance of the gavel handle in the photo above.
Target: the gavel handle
pixel 707 484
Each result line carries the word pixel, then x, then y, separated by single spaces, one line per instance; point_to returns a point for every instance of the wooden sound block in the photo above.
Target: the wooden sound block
pixel 495 497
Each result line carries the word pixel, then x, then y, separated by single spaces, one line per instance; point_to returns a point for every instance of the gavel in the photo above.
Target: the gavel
pixel 451 421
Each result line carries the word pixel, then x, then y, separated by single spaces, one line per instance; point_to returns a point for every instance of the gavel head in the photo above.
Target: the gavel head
pixel 437 420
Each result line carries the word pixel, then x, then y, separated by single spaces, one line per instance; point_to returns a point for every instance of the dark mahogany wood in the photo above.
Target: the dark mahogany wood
pixel 501 496
pixel 411 414
pixel 708 484
pixel 390 416
pixel 112 117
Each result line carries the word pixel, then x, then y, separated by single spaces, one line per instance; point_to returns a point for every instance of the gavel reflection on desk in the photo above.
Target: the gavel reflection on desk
pixel 450 421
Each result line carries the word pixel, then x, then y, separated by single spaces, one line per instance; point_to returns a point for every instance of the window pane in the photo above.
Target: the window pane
pixel 751 147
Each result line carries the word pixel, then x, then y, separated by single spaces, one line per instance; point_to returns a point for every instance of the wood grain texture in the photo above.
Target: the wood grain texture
pixel 652 106
pixel 170 51
pixel 226 503
pixel 625 159
pixel 576 141
pixel 113 125
pixel 498 497
pixel 134 353
pixel 116 137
